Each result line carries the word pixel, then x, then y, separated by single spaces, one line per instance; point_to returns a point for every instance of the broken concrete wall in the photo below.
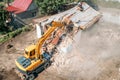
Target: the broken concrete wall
pixel 82 19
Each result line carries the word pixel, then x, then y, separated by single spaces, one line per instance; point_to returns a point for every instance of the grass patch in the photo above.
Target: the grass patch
pixel 14 33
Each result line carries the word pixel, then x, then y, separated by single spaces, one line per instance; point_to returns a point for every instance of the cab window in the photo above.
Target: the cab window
pixel 32 53
pixel 26 52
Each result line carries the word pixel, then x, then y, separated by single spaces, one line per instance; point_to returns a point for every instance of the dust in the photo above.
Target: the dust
pixel 94 54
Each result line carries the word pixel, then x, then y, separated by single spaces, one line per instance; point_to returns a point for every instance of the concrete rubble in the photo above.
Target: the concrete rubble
pixel 80 19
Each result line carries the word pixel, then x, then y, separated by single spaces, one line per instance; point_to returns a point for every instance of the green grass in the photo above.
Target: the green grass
pixel 14 33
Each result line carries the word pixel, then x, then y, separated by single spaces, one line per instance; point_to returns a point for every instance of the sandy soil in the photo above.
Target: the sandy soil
pixel 94 55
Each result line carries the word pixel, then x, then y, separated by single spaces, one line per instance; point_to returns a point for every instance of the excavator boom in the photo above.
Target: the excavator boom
pixel 45 36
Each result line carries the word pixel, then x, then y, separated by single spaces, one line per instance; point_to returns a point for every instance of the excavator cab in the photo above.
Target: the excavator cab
pixel 30 52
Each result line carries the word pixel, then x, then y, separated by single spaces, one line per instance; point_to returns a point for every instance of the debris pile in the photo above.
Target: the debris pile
pixel 82 19
pixel 75 18
pixel 76 21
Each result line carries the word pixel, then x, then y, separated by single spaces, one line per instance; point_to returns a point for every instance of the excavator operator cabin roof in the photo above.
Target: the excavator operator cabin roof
pixel 19 6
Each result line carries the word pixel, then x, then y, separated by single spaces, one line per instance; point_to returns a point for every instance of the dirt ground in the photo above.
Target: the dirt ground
pixel 94 55
pixel 9 54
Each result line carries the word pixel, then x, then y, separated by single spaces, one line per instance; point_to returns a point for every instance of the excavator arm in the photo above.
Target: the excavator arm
pixel 45 36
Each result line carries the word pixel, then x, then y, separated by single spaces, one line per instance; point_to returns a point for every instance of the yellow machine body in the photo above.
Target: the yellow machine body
pixel 33 58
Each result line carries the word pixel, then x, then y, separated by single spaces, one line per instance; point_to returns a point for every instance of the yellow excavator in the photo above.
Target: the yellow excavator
pixel 34 60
